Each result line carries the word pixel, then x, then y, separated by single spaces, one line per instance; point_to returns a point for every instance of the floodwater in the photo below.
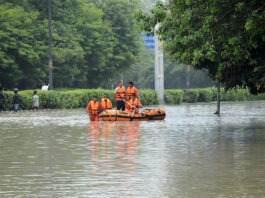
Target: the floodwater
pixel 191 154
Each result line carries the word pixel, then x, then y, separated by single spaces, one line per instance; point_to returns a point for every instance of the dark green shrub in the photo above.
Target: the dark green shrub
pixel 174 96
pixel 148 97
pixel 191 95
pixel 69 99
pixel 205 95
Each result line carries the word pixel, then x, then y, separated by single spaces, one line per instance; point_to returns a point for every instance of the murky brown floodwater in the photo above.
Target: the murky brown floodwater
pixel 192 154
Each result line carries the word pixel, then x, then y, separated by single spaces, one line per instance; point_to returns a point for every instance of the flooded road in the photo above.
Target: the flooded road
pixel 191 154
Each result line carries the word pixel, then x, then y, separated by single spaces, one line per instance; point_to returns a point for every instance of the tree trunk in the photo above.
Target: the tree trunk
pixel 187 76
pixel 218 98
pixel 50 45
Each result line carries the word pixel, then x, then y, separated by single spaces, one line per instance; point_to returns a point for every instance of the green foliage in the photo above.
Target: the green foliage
pixel 224 37
pixel 205 95
pixel 79 98
pixel 191 95
pixel 70 99
pixel 235 95
pixel 21 48
pixel 148 97
pixel 173 96
pixel 142 73
pixel 209 94
pixel 92 42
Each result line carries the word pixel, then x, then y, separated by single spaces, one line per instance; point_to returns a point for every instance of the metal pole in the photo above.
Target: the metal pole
pixel 50 45
pixel 159 67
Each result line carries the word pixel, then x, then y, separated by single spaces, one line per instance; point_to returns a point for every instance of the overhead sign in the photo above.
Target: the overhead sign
pixel 149 41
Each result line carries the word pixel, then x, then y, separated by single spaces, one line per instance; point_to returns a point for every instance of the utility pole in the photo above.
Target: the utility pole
pixel 50 45
pixel 159 66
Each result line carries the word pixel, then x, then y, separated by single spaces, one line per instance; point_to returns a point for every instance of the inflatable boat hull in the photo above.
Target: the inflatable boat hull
pixel 116 115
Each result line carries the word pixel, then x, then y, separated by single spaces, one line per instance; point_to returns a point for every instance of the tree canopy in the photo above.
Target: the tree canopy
pixel 224 37
pixel 92 42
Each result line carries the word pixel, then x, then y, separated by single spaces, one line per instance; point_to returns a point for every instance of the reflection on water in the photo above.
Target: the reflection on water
pixel 114 142
pixel 193 153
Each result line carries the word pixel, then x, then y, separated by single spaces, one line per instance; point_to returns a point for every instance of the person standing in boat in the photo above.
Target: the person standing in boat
pixel 134 104
pixel 93 109
pixel 130 91
pixel 106 103
pixel 120 96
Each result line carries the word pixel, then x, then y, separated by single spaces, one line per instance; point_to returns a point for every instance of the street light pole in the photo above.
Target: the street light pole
pixel 50 46
pixel 159 66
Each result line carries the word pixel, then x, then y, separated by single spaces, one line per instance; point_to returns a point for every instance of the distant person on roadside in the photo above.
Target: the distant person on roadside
pixel 131 90
pixel 120 96
pixel 93 109
pixel 35 102
pixel 44 87
pixel 106 103
pixel 2 97
pixel 16 100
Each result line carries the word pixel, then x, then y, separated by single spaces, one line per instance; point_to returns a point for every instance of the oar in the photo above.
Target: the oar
pixel 133 112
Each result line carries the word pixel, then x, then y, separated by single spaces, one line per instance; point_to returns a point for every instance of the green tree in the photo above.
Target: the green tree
pixel 224 37
pixel 92 42
pixel 21 50
pixel 120 14
pixel 142 73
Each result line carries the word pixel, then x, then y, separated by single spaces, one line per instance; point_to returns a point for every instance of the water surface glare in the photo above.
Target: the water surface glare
pixel 191 154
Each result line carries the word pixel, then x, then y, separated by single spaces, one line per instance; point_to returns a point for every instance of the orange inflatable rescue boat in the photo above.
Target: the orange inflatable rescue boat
pixel 148 114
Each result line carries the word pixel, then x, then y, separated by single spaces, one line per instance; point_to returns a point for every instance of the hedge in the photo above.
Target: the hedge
pixel 70 99
pixel 208 95
pixel 79 98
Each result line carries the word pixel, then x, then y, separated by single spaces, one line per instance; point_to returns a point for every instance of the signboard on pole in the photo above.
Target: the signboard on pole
pixel 149 41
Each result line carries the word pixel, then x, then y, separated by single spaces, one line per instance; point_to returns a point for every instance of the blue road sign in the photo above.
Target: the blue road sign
pixel 149 41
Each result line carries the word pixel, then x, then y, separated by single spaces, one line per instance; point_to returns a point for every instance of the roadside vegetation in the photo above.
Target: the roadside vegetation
pixel 72 99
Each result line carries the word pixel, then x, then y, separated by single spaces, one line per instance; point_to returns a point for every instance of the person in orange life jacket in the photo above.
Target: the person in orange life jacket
pixel 106 103
pixel 134 104
pixel 93 109
pixel 120 96
pixel 131 90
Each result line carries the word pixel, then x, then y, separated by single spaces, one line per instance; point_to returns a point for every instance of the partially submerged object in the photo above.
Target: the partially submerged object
pixel 148 114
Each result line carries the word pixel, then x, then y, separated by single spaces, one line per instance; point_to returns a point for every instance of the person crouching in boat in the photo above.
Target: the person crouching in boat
pixel 130 91
pixel 106 103
pixel 134 104
pixel 93 109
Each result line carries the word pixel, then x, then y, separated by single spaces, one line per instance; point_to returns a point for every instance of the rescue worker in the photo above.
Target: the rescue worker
pixel 106 103
pixel 134 104
pixel 131 90
pixel 93 109
pixel 120 96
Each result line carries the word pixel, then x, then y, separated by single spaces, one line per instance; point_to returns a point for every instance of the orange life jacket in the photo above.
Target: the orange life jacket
pixel 93 108
pixel 130 92
pixel 134 104
pixel 121 93
pixel 106 104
